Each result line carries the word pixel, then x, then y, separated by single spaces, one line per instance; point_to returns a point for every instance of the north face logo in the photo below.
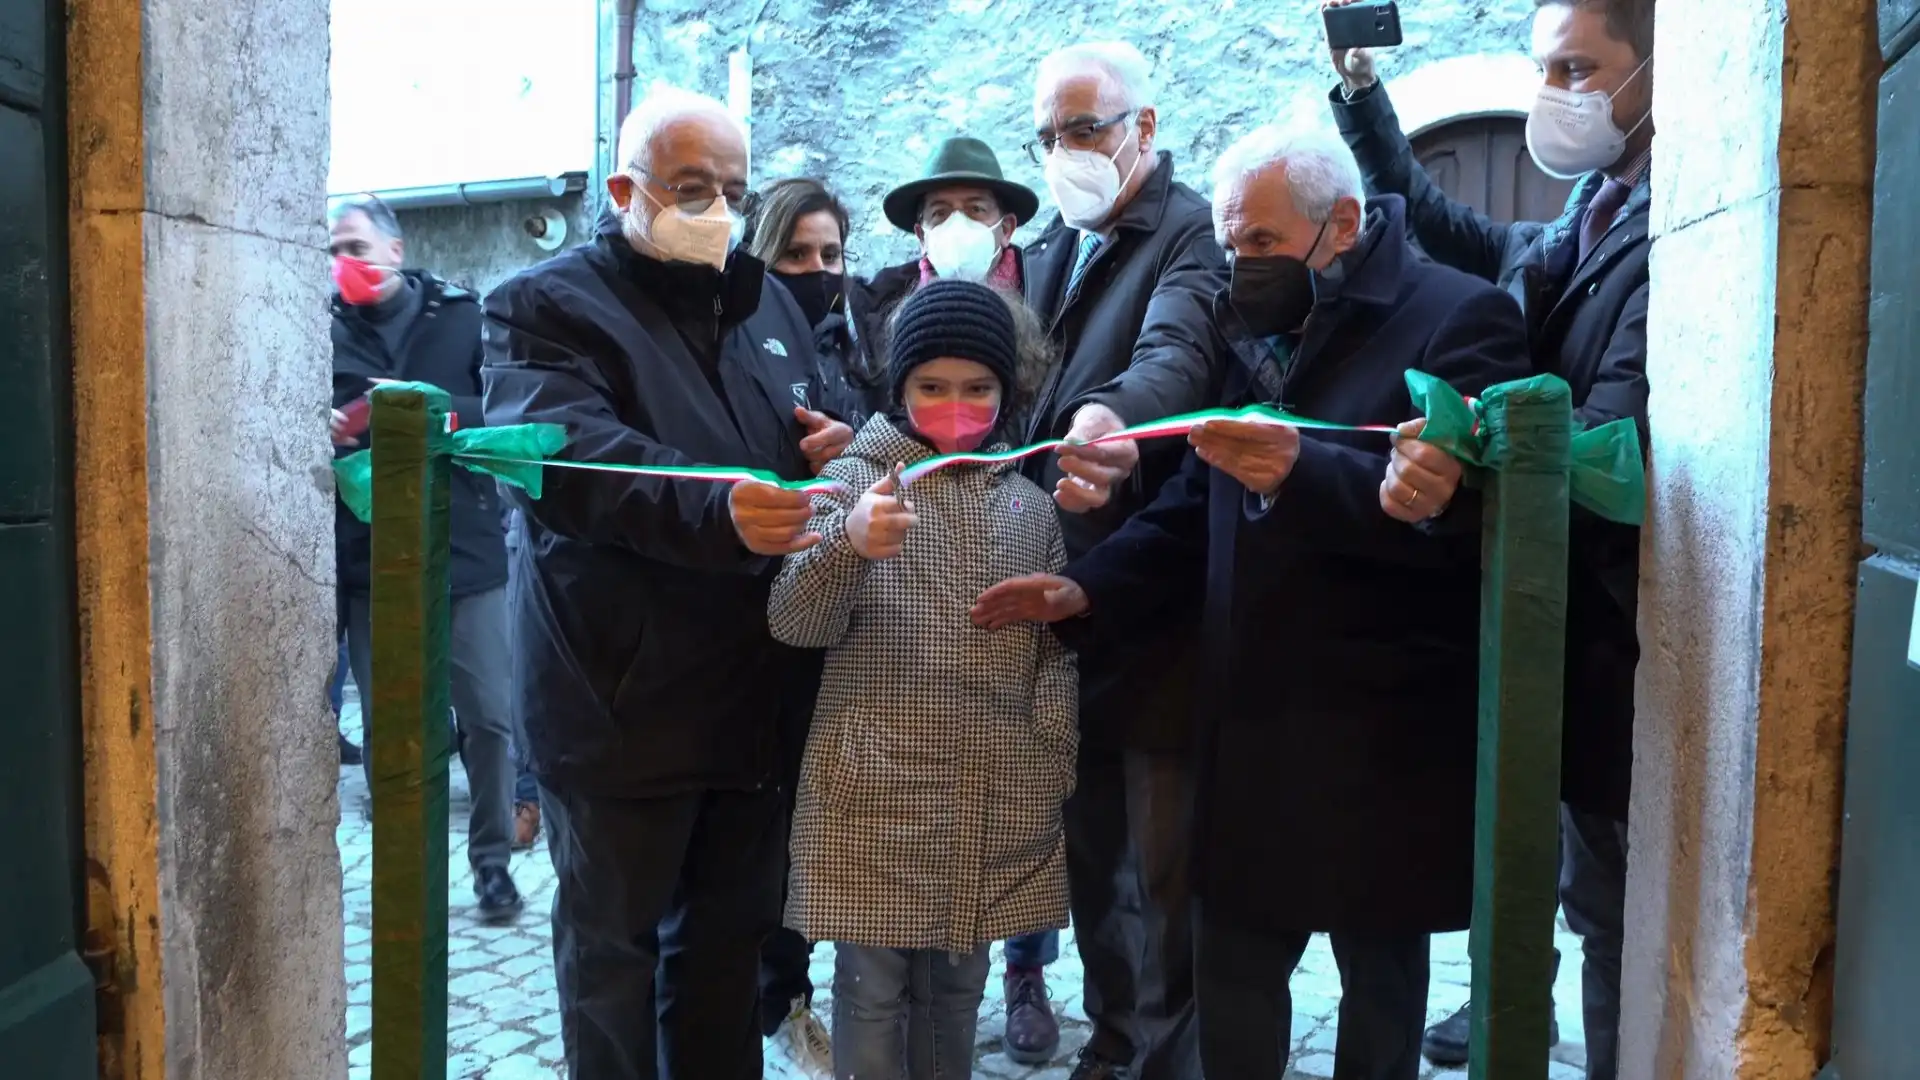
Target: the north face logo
pixel 775 346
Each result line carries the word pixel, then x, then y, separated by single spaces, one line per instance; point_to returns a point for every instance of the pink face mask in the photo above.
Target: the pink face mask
pixel 953 427
pixel 358 280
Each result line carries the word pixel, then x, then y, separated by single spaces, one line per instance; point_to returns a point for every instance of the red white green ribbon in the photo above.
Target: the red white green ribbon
pixel 1172 425
pixel 720 474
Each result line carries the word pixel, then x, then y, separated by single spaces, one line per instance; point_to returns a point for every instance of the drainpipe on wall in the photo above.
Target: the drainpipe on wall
pixel 485 191
pixel 623 72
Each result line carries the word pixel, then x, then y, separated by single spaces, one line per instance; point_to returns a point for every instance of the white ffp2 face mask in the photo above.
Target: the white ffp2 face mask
pixel 707 237
pixel 1571 134
pixel 961 248
pixel 1086 183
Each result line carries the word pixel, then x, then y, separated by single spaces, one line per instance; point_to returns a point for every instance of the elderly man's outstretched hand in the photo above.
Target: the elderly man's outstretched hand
pixel 771 520
pixel 1421 478
pixel 1260 456
pixel 1044 598
pixel 1091 472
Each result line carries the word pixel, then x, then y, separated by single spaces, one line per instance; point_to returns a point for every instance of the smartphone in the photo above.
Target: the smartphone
pixel 1370 24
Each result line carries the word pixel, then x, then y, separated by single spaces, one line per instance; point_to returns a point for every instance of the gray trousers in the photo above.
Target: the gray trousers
pixel 1593 893
pixel 478 655
pixel 1128 829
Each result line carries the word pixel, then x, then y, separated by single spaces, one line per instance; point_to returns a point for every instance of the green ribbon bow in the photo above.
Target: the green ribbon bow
pixel 509 454
pixel 1607 475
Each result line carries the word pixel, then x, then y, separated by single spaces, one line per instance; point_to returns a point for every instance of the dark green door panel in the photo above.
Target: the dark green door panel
pixel 27 469
pixel 1892 510
pixel 47 1017
pixel 1877 965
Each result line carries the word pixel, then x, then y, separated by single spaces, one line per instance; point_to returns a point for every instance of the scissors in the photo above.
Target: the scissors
pixel 900 488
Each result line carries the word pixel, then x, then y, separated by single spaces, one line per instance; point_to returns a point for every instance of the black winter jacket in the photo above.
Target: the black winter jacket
pixel 643 664
pixel 1136 336
pixel 1587 323
pixel 442 347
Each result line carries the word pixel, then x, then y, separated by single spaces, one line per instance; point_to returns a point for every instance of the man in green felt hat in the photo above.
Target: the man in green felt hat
pixel 963 210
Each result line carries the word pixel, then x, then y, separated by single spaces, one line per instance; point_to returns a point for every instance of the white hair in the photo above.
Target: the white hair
pixel 1127 72
pixel 662 106
pixel 1319 168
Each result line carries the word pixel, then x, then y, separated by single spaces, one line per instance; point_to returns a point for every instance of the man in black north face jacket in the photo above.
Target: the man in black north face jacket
pixel 391 324
pixel 657 703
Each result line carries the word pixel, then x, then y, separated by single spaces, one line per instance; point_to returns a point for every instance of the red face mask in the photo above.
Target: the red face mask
pixel 358 280
pixel 953 426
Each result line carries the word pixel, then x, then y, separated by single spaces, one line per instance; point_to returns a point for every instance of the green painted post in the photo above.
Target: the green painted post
pixel 408 740
pixel 1523 625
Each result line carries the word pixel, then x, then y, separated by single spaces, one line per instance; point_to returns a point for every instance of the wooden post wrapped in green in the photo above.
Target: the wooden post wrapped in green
pixel 407 740
pixel 1523 624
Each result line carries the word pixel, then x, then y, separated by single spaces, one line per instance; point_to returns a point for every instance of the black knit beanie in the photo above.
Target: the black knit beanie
pixel 951 318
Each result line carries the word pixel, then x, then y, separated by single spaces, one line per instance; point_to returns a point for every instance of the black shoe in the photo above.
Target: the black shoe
pixel 349 753
pixel 1092 1066
pixel 1445 1043
pixel 499 900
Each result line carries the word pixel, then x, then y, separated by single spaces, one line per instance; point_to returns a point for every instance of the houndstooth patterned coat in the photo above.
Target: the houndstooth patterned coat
pixel 928 814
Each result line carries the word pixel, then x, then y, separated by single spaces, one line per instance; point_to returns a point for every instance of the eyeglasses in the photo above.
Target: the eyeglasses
pixel 936 216
pixel 696 196
pixel 1078 137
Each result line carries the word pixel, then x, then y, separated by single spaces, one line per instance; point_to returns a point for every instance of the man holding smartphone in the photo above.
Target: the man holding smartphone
pixel 1582 281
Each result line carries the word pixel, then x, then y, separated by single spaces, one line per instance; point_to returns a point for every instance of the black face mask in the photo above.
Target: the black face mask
pixel 819 292
pixel 1273 294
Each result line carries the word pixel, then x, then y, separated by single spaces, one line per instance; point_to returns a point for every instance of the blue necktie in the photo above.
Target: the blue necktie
pixel 1089 243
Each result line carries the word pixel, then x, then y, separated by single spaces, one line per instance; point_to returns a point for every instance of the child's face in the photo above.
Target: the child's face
pixel 952 403
pixel 950 379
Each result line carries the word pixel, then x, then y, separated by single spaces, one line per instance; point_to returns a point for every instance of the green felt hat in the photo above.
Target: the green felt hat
pixel 960 161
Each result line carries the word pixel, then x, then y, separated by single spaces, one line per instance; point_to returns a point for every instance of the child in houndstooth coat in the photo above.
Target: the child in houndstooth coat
pixel 927 822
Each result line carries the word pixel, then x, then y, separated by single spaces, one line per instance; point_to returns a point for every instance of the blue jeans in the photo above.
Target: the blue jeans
pixel 905 1014
pixel 1033 951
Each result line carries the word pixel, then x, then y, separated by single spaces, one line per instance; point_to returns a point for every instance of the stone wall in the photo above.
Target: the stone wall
pixel 480 246
pixel 858 92
pixel 1756 351
pixel 203 508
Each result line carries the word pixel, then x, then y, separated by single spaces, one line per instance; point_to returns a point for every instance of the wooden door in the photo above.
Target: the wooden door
pixel 1877 961
pixel 46 991
pixel 1484 163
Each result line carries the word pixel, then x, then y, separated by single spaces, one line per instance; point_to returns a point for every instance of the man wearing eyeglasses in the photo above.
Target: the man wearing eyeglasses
pixel 1124 278
pixel 963 210
pixel 656 702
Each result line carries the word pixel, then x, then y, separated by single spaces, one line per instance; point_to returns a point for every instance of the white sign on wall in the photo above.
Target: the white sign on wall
pixel 430 92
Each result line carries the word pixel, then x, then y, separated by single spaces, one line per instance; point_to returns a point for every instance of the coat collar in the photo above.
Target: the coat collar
pixel 686 290
pixel 884 440
pixel 434 290
pixel 1145 212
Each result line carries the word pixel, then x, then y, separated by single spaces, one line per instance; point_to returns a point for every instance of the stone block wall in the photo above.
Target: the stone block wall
pixel 480 246
pixel 858 92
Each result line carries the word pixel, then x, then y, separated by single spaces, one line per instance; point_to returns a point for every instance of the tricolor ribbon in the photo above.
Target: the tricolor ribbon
pixel 1607 474
pixel 1153 429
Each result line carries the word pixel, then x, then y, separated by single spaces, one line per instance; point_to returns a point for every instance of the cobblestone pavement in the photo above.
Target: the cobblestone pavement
pixel 503 1022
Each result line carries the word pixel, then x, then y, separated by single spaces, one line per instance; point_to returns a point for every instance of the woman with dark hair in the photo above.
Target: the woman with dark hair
pixel 800 232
